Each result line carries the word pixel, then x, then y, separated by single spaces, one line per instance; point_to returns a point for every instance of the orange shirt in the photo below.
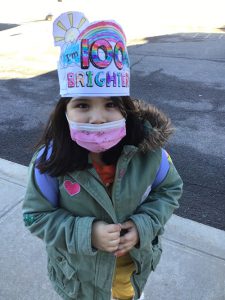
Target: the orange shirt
pixel 106 173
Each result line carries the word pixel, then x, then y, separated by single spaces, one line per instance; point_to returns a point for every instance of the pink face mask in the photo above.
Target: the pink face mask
pixel 97 137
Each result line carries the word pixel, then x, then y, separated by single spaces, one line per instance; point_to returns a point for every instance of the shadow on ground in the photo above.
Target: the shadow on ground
pixel 222 28
pixel 25 108
pixel 5 26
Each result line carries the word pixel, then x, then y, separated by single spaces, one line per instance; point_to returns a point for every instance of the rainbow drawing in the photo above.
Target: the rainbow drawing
pixel 103 30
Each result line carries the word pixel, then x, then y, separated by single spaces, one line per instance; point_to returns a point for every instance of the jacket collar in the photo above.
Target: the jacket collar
pixel 98 191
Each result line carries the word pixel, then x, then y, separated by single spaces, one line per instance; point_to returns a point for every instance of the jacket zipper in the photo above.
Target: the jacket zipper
pixel 99 181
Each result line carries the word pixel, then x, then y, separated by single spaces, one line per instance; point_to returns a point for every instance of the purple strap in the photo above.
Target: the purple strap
pixel 47 184
pixel 163 170
pixel 49 187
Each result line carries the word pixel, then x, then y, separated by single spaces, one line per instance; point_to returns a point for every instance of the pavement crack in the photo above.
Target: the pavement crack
pixel 195 249
pixel 11 208
pixel 13 182
pixel 137 62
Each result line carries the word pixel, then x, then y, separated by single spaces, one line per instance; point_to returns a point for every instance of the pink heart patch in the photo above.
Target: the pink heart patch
pixel 71 188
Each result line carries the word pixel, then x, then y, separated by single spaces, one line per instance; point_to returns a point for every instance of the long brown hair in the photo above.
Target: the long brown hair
pixel 67 156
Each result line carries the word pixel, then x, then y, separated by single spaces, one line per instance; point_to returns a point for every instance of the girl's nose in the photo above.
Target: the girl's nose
pixel 97 117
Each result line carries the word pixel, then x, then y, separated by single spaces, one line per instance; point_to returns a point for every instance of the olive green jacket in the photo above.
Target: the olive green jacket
pixel 78 271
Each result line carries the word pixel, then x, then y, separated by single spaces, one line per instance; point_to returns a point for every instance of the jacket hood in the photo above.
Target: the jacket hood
pixel 157 127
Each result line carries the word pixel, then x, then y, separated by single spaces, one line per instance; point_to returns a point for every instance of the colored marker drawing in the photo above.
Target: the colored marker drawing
pixel 68 27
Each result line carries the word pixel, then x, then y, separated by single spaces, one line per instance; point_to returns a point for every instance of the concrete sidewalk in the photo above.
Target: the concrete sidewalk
pixel 192 265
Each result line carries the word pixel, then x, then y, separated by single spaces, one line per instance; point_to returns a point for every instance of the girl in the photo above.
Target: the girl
pixel 101 187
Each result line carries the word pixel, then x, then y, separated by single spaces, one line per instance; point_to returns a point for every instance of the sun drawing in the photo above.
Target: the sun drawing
pixel 69 32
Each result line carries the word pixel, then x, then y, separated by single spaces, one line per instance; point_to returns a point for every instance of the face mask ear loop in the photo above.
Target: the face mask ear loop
pixel 66 116
pixel 68 119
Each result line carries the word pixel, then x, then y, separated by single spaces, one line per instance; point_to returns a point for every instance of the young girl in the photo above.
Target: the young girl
pixel 101 187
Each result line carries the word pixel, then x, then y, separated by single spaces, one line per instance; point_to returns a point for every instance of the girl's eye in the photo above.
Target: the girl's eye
pixel 81 105
pixel 111 104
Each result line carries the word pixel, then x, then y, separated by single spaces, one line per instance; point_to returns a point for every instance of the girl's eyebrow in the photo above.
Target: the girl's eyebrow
pixel 89 99
pixel 107 99
pixel 81 99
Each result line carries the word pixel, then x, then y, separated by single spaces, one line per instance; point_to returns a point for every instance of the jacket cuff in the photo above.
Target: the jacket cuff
pixel 144 229
pixel 83 236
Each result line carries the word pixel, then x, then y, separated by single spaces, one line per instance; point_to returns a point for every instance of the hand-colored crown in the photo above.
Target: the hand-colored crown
pixel 94 59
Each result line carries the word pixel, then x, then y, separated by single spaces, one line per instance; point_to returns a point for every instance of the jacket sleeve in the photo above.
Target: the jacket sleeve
pixel 54 225
pixel 151 216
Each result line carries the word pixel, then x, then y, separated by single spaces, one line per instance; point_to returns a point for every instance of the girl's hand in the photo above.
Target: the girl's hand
pixel 105 236
pixel 129 239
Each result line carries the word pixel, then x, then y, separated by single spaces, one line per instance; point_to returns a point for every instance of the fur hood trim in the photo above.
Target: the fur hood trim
pixel 157 126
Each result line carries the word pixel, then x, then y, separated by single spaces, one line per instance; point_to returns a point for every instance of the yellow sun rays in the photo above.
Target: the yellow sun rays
pixel 81 22
pixel 71 20
pixel 70 17
pixel 60 24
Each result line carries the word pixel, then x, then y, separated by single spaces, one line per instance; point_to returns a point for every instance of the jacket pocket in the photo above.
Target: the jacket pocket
pixel 62 274
pixel 156 252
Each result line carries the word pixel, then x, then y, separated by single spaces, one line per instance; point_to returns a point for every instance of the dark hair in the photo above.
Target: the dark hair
pixel 67 155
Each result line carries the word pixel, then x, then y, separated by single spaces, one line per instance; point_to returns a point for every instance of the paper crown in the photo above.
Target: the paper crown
pixel 94 59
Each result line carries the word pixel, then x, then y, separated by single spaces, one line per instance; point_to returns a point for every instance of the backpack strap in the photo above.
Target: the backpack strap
pixel 48 185
pixel 163 169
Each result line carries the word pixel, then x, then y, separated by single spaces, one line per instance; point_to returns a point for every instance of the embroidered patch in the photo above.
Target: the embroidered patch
pixel 28 219
pixel 72 188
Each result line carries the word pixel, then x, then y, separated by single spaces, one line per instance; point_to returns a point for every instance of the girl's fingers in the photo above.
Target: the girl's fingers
pixel 122 247
pixel 114 242
pixel 120 252
pixel 112 249
pixel 131 237
pixel 112 246
pixel 113 228
pixel 114 236
pixel 127 238
pixel 127 225
pixel 123 240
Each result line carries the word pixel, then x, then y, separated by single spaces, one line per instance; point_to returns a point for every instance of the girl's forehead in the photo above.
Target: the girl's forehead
pixel 93 99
